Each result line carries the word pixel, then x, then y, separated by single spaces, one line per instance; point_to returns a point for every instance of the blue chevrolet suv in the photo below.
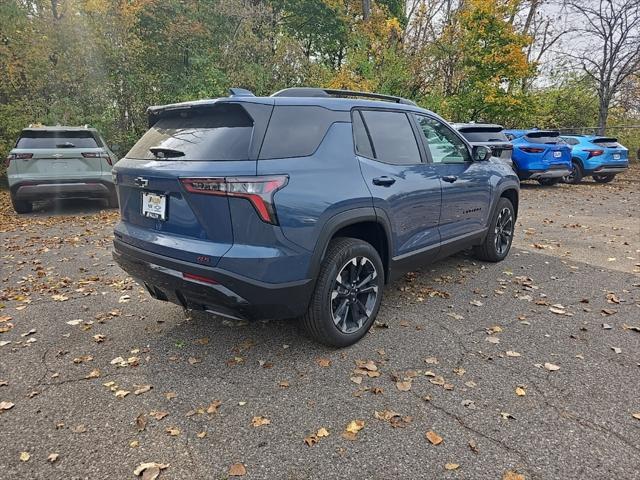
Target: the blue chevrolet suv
pixel 540 155
pixel 599 157
pixel 303 204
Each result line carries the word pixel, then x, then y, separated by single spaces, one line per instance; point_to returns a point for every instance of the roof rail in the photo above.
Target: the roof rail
pixel 329 92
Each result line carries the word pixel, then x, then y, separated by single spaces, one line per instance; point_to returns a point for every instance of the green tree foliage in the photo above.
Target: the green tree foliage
pixel 103 62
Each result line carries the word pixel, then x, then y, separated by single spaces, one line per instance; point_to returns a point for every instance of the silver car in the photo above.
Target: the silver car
pixel 489 135
pixel 60 162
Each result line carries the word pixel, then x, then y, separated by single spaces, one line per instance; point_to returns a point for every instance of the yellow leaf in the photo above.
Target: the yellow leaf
pixel 520 391
pixel 451 466
pixel 260 421
pixel 24 456
pixel 509 475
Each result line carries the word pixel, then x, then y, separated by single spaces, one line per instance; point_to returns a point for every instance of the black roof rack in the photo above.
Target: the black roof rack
pixel 329 92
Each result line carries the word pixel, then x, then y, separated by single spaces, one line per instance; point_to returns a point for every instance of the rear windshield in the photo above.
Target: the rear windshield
pixel 222 132
pixel 544 137
pixel 57 139
pixel 606 142
pixel 484 135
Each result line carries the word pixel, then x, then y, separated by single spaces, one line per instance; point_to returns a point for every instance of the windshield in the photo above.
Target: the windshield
pixel 484 135
pixel 544 137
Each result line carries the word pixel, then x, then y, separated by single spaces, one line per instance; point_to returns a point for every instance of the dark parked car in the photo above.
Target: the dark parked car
pixel 303 204
pixel 489 135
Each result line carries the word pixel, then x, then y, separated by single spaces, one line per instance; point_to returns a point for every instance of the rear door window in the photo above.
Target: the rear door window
pixel 48 139
pixel 392 136
pixel 296 131
pixel 221 132
pixel 360 136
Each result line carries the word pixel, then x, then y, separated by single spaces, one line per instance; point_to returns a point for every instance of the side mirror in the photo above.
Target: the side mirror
pixel 481 153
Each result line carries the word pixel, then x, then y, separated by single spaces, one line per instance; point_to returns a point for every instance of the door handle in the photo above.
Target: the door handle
pixel 449 178
pixel 384 181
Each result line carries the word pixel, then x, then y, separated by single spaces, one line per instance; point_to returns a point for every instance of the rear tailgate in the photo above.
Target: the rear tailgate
pixel 58 155
pixel 205 143
pixel 555 151
pixel 614 152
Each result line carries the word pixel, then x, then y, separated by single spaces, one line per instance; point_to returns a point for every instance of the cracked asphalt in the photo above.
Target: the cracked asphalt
pixel 444 331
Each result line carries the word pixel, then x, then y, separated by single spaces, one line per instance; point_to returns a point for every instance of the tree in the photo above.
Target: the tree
pixel 611 53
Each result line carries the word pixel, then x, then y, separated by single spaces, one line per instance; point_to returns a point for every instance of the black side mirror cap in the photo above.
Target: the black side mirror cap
pixel 481 153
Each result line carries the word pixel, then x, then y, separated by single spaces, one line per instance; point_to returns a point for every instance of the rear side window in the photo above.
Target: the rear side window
pixel 486 135
pixel 570 141
pixel 543 137
pixel 606 142
pixel 392 137
pixel 57 139
pixel 221 132
pixel 360 136
pixel 295 131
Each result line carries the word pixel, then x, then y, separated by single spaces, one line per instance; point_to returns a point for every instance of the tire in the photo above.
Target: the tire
pixel 549 182
pixel 604 178
pixel 112 200
pixel 330 295
pixel 494 248
pixel 20 206
pixel 575 177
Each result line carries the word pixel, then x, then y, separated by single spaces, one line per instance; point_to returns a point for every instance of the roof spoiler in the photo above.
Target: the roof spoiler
pixel 329 92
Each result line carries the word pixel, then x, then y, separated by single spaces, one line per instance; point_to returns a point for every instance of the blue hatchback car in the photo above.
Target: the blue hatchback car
pixel 303 204
pixel 596 156
pixel 540 155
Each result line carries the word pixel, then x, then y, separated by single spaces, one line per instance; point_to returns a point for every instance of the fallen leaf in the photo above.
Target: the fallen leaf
pixel 172 431
pixel 194 360
pixel 237 470
pixel 433 437
pixel 476 303
pixel 636 415
pixel 24 456
pixel 260 421
pixel 79 429
pixel 77 321
pixel 95 373
pixel 6 406
pixel 323 362
pixel 520 391
pixel 451 466
pixel 150 470
pixel 551 367
pixel 59 298
pixel 201 434
pixel 616 349
pixel 141 422
pixel 170 395
pixel 352 429
pixel 608 311
pixel 158 415
pixel 511 353
pixel 509 475
pixel 122 393
pixel 142 389
pixel 403 386
pixel 431 360
pixel 213 407
pixel 53 457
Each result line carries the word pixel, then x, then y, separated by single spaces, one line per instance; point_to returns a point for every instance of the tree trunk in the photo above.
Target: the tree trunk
pixel 366 9
pixel 603 114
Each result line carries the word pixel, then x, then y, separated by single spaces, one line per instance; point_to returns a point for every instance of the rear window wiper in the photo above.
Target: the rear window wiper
pixel 65 145
pixel 164 152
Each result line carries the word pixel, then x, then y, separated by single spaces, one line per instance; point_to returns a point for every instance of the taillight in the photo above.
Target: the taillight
pixel 17 156
pixel 593 152
pixel 258 190
pixel 532 149
pixel 98 155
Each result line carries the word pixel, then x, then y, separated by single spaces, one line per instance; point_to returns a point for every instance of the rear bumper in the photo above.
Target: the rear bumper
pixel 603 169
pixel 232 296
pixel 554 172
pixel 31 191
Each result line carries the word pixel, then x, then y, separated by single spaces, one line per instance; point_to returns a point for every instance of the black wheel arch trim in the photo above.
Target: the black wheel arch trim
pixel 340 221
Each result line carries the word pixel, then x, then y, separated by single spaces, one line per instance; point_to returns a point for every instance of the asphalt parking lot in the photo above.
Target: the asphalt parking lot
pixel 527 369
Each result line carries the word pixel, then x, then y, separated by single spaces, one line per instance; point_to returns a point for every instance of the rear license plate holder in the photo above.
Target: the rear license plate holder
pixel 154 205
pixel 557 154
pixel 616 156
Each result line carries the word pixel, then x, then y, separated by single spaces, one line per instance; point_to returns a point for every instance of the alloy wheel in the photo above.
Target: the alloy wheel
pixel 354 294
pixel 503 231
